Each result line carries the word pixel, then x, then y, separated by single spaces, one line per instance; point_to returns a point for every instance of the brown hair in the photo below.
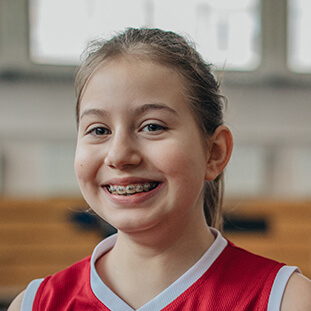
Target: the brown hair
pixel 172 50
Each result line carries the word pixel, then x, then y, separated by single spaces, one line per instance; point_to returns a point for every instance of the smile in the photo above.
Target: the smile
pixel 131 189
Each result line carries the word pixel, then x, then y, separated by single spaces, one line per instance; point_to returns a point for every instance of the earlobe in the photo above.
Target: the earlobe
pixel 220 149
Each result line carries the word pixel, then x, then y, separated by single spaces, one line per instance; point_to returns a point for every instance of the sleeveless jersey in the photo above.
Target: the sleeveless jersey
pixel 225 278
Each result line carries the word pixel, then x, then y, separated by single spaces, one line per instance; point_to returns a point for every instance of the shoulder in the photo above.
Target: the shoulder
pixel 58 282
pixel 69 279
pixel 17 302
pixel 76 270
pixel 250 261
pixel 297 295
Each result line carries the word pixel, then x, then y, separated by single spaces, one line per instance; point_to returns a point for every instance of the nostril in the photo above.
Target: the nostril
pixel 108 162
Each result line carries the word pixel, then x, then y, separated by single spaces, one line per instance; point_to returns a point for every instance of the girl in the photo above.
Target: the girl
pixel 150 154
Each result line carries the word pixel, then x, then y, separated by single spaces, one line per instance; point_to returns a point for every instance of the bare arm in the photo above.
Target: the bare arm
pixel 17 302
pixel 297 295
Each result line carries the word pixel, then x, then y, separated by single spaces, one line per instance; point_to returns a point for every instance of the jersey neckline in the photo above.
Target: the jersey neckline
pixel 114 302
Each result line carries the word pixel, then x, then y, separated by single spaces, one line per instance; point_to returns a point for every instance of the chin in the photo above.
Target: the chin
pixel 132 222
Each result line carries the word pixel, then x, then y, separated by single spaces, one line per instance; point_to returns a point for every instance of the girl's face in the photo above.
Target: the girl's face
pixel 140 157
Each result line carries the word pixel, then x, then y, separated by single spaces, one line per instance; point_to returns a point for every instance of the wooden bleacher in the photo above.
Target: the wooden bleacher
pixel 287 237
pixel 37 237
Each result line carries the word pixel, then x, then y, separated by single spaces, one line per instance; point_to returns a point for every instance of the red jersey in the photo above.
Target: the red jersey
pixel 225 278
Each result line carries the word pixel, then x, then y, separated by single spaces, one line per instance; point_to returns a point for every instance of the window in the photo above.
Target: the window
pixel 227 32
pixel 299 38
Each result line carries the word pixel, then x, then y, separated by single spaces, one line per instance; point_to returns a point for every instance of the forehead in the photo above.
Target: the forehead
pixel 127 78
pixel 137 68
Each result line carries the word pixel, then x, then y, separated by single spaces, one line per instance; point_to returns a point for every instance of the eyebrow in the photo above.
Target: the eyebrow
pixel 138 111
pixel 93 111
pixel 153 106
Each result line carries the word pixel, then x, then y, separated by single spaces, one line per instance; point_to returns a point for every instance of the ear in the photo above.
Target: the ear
pixel 220 148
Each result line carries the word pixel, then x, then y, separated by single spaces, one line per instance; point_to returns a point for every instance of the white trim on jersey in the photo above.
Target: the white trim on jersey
pixel 167 296
pixel 30 294
pixel 278 287
pixel 113 302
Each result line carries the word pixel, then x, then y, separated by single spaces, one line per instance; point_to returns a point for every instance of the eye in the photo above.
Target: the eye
pixel 153 128
pixel 99 131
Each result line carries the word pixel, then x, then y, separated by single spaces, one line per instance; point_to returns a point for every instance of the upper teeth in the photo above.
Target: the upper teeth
pixel 131 189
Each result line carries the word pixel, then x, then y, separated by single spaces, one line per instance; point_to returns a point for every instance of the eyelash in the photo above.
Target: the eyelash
pixel 94 131
pixel 149 128
pixel 156 128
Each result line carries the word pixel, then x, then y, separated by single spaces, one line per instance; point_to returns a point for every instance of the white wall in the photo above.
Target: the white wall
pixel 271 128
pixel 37 138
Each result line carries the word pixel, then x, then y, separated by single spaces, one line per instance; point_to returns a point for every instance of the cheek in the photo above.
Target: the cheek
pixel 176 160
pixel 85 165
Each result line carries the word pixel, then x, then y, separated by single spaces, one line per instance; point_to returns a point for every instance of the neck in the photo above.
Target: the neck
pixel 153 259
pixel 160 243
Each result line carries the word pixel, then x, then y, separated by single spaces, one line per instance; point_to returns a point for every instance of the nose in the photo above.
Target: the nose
pixel 123 152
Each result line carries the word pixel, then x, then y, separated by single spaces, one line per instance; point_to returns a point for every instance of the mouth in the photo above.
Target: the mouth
pixel 132 189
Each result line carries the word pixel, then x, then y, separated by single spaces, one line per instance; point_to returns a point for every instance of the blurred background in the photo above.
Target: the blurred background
pixel 261 50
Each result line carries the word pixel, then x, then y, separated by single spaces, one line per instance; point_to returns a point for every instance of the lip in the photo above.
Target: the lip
pixel 128 180
pixel 132 200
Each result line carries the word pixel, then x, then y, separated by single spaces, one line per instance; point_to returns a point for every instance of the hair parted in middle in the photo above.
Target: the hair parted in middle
pixel 201 88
